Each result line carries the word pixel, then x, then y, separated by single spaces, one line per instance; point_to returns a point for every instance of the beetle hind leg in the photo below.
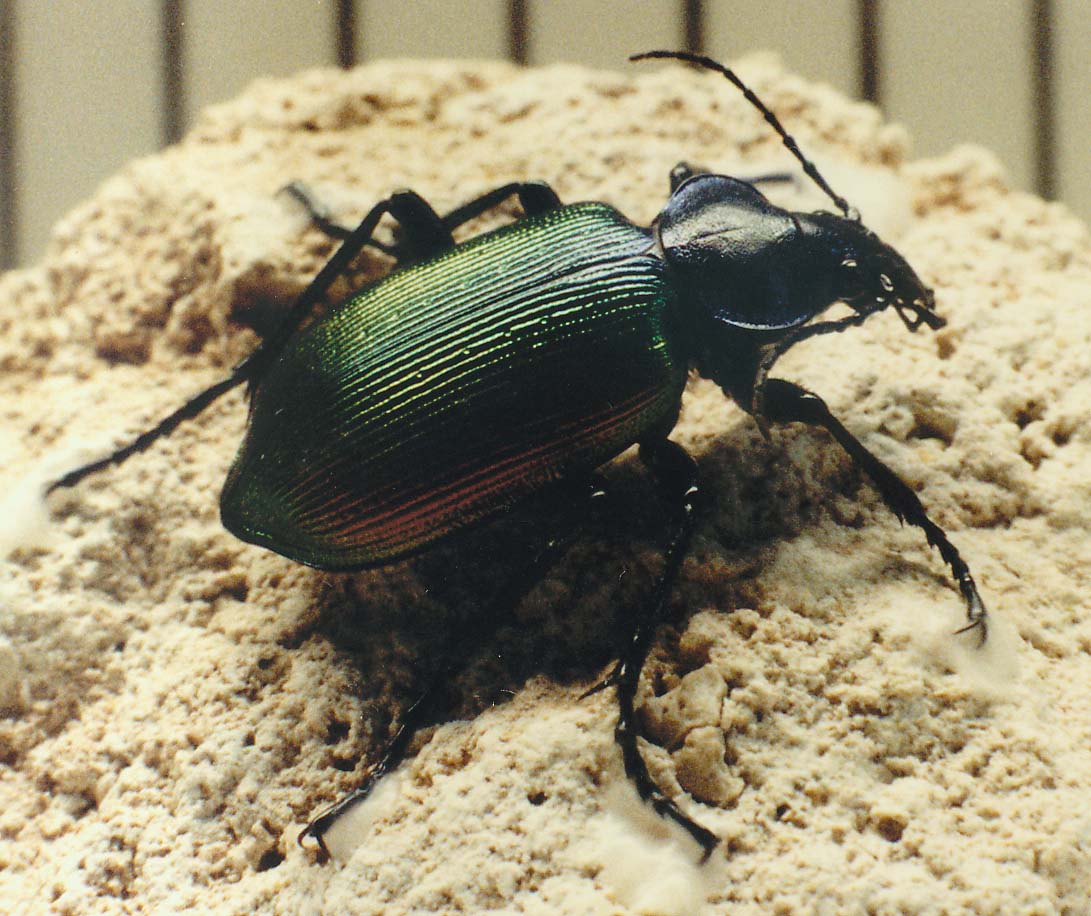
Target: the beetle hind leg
pixel 786 402
pixel 407 207
pixel 424 711
pixel 321 217
pixel 677 473
pixel 534 197
pixel 425 232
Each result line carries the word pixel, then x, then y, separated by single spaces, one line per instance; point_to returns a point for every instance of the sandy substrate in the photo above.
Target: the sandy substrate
pixel 175 705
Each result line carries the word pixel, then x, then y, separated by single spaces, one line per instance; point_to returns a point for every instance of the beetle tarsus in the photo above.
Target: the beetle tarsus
pixel 318 828
pixel 316 831
pixel 976 614
pixel 188 411
pixel 419 713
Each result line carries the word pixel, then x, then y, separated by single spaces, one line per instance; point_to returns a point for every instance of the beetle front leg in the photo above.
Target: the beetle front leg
pixel 786 402
pixel 676 472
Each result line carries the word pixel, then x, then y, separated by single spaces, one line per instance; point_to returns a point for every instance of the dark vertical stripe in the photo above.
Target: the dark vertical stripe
pixel 345 26
pixel 1045 111
pixel 693 21
pixel 174 86
pixel 9 204
pixel 869 61
pixel 517 31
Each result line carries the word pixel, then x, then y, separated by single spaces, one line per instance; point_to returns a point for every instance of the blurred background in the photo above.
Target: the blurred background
pixel 84 87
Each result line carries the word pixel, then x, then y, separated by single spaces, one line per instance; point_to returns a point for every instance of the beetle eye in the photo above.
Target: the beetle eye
pixel 850 282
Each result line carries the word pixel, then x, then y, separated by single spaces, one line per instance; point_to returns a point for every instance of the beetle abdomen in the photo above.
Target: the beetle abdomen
pixel 451 389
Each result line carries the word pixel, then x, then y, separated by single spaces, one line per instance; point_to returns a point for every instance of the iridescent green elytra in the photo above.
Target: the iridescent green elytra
pixel 449 390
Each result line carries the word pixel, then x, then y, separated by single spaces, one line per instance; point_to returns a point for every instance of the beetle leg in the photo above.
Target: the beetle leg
pixel 192 408
pixel 786 402
pixel 407 207
pixel 423 232
pixel 432 233
pixel 534 197
pixel 677 474
pixel 415 717
pixel 322 219
pixel 424 710
pixel 426 234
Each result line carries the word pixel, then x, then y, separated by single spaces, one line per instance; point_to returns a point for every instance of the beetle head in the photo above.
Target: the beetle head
pixel 752 267
pixel 754 277
pixel 867 274
pixel 748 264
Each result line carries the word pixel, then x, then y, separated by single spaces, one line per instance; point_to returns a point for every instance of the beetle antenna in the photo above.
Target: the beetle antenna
pixel 789 141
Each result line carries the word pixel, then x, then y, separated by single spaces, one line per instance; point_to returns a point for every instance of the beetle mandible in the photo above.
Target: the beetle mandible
pixel 536 353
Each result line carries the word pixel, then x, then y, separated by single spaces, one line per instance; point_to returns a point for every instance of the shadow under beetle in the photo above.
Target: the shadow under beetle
pixel 476 374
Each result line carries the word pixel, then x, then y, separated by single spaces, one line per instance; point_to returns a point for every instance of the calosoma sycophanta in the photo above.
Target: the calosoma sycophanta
pixel 476 374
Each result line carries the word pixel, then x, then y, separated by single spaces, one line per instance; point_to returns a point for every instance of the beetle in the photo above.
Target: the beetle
pixel 476 374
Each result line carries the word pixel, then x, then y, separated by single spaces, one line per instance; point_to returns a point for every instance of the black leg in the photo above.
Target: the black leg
pixel 424 234
pixel 407 207
pixel 534 197
pixel 786 402
pixel 676 472
pixel 426 708
pixel 433 233
pixel 321 217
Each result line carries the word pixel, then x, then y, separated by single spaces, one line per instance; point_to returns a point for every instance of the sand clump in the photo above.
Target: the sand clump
pixel 175 705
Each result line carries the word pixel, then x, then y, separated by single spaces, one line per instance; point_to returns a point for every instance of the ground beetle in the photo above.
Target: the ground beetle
pixel 476 374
